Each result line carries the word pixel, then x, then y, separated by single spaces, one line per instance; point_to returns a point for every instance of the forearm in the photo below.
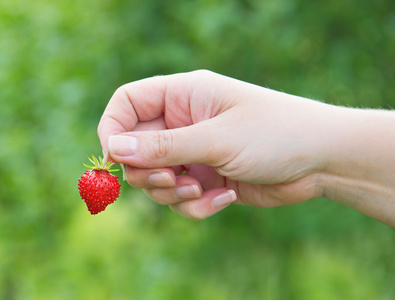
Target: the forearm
pixel 360 170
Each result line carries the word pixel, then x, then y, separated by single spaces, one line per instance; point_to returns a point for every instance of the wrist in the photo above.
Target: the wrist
pixel 360 166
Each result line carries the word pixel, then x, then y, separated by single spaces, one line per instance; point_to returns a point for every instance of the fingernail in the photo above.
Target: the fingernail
pixel 188 192
pixel 224 198
pixel 122 145
pixel 161 179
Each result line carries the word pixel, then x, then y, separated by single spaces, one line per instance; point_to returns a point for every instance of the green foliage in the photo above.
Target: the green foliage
pixel 60 62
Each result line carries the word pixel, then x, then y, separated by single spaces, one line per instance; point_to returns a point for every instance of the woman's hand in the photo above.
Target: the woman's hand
pixel 199 141
pixel 232 141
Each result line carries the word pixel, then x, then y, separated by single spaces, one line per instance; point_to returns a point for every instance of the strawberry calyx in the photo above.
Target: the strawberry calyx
pixel 100 164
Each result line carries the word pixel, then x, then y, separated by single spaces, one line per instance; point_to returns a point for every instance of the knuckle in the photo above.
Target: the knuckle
pixel 120 92
pixel 202 72
pixel 162 144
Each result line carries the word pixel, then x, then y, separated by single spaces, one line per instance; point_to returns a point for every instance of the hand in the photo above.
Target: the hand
pixel 235 142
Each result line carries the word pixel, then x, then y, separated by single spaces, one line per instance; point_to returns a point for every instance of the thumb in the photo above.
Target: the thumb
pixel 195 144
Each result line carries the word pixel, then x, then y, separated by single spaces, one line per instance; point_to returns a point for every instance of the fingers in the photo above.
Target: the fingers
pixel 180 146
pixel 188 200
pixel 163 186
pixel 148 178
pixel 184 194
pixel 210 203
pixel 146 100
pixel 133 102
pixel 153 178
pixel 176 100
pixel 186 188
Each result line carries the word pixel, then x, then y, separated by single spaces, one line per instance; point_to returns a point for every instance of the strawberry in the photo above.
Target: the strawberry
pixel 98 187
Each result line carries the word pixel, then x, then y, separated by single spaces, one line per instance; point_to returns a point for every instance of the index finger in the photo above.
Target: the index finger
pixel 138 101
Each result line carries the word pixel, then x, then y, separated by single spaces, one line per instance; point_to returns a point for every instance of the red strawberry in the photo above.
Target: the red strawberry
pixel 98 187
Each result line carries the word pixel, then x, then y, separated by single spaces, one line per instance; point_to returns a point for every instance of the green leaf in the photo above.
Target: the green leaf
pixel 91 160
pixel 96 161
pixel 109 165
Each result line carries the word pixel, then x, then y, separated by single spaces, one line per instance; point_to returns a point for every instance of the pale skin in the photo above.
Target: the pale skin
pixel 200 141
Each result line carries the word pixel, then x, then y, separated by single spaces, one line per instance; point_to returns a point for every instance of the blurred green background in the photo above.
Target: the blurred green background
pixel 60 62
